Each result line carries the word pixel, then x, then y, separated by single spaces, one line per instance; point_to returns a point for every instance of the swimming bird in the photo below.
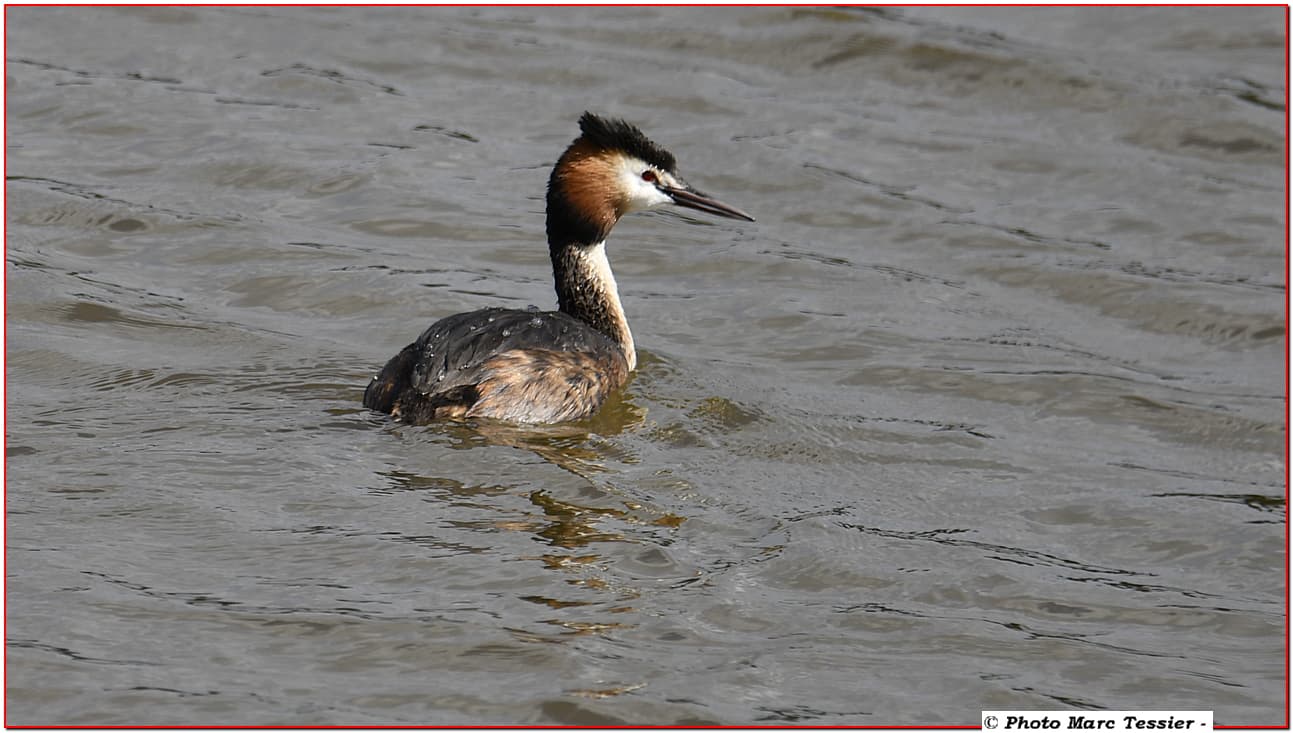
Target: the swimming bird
pixel 528 366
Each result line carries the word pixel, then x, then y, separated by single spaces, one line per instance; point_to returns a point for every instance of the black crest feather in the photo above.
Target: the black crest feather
pixel 619 135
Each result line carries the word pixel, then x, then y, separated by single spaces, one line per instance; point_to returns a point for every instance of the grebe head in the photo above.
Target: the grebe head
pixel 612 169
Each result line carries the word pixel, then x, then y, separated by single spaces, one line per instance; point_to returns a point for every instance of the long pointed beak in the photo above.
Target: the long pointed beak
pixel 693 199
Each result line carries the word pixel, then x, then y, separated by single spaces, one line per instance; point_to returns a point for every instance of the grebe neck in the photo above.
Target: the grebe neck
pixel 586 289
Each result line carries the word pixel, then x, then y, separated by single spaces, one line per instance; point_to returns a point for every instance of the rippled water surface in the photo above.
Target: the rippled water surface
pixel 986 411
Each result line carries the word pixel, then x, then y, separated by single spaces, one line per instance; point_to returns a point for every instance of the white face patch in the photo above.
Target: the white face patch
pixel 641 194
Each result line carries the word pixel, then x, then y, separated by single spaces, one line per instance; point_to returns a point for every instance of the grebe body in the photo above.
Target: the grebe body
pixel 529 366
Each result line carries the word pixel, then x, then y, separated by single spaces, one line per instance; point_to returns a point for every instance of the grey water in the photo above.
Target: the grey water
pixel 986 411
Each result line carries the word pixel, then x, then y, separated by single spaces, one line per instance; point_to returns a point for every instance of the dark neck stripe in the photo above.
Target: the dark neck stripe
pixel 581 294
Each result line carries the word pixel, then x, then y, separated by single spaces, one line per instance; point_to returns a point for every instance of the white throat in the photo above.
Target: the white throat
pixel 599 268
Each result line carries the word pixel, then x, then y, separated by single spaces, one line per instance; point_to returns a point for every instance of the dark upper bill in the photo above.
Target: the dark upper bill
pixel 693 199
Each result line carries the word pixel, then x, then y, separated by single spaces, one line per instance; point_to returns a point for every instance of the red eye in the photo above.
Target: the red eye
pixel 649 176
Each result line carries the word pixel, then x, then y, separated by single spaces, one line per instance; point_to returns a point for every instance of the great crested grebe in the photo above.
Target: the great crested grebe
pixel 546 367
